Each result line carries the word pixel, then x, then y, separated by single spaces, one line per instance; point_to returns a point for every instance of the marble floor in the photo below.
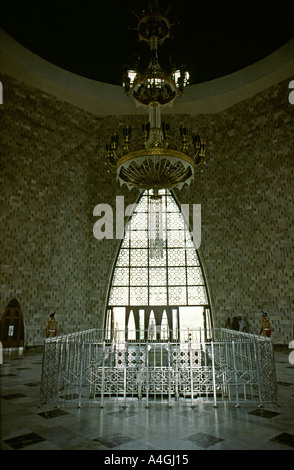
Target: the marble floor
pixel 26 426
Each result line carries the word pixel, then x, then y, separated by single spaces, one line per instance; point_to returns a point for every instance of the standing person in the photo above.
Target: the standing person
pixel 51 327
pixel 242 324
pixel 265 326
pixel 228 323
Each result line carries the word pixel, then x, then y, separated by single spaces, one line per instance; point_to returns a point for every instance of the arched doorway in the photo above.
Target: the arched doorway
pixel 12 327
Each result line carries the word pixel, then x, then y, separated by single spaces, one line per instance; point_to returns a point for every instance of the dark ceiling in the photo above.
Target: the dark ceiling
pixel 94 38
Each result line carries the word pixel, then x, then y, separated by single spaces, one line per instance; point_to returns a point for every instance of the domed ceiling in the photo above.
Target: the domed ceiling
pixel 95 39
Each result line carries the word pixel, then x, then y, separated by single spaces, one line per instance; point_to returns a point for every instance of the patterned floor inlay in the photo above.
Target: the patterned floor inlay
pixel 284 438
pixel 113 440
pixel 264 413
pixel 53 413
pixel 25 440
pixel 203 440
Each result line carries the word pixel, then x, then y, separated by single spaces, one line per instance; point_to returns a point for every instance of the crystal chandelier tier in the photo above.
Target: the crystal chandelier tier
pixel 155 162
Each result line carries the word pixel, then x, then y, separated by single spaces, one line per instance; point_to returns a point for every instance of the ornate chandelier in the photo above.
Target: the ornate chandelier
pixel 154 162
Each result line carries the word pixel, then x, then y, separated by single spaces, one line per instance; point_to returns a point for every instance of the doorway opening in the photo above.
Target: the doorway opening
pixel 12 326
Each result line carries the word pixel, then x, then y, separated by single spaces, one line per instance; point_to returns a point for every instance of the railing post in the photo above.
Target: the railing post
pixel 125 373
pixel 258 373
pixel 81 375
pixel 59 370
pixel 92 379
pixel 169 378
pixel 103 375
pixel 176 374
pixel 213 375
pixel 235 374
pixel 147 374
pixel 191 373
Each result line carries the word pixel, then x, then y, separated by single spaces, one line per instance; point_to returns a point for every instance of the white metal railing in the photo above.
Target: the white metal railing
pixel 229 366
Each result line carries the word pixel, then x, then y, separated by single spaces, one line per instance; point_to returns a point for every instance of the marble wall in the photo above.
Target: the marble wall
pixel 53 174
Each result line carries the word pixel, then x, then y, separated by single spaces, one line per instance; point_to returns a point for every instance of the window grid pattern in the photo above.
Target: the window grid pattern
pixel 174 279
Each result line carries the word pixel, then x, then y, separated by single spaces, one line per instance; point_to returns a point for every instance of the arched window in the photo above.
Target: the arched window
pixel 158 275
pixel 131 326
pixel 164 333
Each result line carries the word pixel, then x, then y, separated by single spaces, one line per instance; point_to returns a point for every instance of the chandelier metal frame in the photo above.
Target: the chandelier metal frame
pixel 155 162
